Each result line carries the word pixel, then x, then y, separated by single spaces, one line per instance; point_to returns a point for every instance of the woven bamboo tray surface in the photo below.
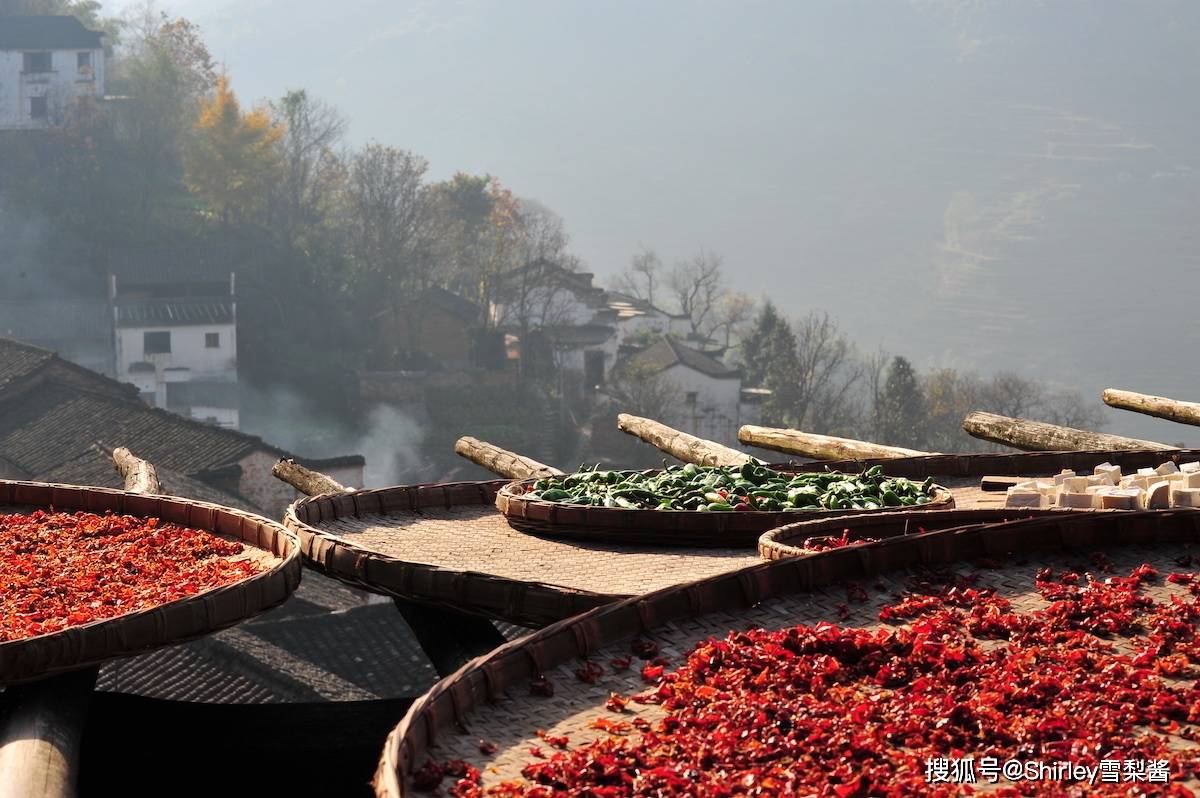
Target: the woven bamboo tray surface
pixel 489 699
pixel 665 527
pixel 787 541
pixel 89 644
pixel 447 544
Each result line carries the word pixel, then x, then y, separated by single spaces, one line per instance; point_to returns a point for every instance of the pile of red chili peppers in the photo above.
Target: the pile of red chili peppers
pixel 826 710
pixel 65 569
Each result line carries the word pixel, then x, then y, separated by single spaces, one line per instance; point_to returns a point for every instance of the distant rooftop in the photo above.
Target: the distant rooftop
pixel 47 33
pixel 667 352
pixel 174 312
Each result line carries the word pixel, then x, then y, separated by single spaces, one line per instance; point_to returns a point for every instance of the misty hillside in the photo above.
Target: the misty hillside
pixel 983 185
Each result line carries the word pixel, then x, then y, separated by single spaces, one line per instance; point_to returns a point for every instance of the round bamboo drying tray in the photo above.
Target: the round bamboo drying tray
pixel 787 541
pixel 447 545
pixel 489 698
pixel 664 527
pixel 89 644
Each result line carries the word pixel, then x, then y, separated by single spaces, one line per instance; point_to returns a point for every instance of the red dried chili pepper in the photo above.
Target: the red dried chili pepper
pixel 832 711
pixel 65 569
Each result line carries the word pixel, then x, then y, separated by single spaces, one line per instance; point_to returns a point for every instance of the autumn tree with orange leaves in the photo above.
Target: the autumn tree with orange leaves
pixel 231 157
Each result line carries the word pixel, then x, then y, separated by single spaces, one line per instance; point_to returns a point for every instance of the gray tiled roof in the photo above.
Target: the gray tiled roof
pixel 46 33
pixel 95 467
pixel 18 360
pixel 667 352
pixel 48 426
pixel 174 312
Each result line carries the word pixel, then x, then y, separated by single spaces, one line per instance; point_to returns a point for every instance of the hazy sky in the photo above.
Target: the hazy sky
pixel 971 183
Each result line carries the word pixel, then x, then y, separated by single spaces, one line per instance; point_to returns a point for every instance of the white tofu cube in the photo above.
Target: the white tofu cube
pixel 1146 472
pixel 1102 479
pixel 1190 468
pixel 1076 501
pixel 1075 484
pixel 1158 497
pixel 1167 468
pixel 1025 498
pixel 1121 499
pixel 1190 480
pixel 1066 472
pixel 1185 497
pixel 1109 470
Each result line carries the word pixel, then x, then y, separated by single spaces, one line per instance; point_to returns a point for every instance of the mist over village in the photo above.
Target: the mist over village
pixel 479 371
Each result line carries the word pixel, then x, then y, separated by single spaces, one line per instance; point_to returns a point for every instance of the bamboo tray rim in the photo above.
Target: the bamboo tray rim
pixel 32 658
pixel 484 679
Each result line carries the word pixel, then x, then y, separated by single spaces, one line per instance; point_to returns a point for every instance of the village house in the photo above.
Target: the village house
pixel 707 398
pixel 47 63
pixel 175 320
pixel 437 325
pixel 555 318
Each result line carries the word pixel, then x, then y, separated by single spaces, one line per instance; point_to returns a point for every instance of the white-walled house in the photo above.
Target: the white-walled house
pixel 175 321
pixel 710 400
pixel 181 354
pixel 562 313
pixel 46 63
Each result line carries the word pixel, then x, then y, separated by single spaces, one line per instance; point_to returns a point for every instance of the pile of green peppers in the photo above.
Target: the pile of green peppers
pixel 721 488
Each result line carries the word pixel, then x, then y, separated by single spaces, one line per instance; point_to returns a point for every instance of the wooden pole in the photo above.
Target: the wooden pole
pixel 1158 406
pixel 1037 436
pixel 680 445
pixel 140 476
pixel 42 736
pixel 501 461
pixel 305 480
pixel 447 637
pixel 820 447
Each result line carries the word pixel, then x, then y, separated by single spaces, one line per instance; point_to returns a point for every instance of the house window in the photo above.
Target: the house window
pixel 37 62
pixel 212 340
pixel 156 343
pixel 38 108
pixel 83 61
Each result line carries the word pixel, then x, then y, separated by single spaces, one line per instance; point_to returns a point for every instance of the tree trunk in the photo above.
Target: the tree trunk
pixel 305 480
pixel 1159 406
pixel 680 445
pixel 501 461
pixel 1037 436
pixel 43 732
pixel 820 447
pixel 140 476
